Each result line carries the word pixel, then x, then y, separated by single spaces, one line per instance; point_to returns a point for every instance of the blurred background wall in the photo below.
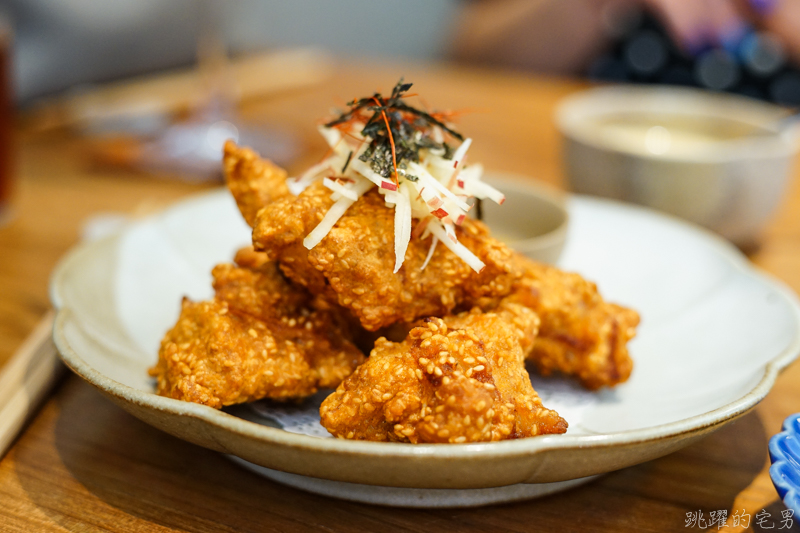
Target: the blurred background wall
pixel 61 44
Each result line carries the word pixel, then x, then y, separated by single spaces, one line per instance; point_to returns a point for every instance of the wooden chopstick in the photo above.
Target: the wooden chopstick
pixel 26 379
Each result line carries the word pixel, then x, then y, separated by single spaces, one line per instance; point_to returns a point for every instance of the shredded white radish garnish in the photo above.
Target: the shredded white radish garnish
pixel 434 242
pixel 330 219
pixel 450 231
pixel 333 215
pixel 297 185
pixel 364 169
pixel 337 187
pixel 457 248
pixel 426 179
pixel 461 151
pixel 435 189
pixel 402 223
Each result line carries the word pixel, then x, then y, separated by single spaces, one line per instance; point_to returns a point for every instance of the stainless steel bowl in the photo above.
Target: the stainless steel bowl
pixel 720 161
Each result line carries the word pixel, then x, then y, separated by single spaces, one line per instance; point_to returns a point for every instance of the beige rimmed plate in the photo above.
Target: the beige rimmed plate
pixel 714 335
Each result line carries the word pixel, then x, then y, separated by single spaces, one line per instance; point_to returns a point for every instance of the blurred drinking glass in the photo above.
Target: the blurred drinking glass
pixel 193 148
pixel 6 119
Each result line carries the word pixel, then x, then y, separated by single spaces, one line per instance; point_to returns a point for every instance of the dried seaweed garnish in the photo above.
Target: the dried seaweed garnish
pixel 397 131
pixel 346 163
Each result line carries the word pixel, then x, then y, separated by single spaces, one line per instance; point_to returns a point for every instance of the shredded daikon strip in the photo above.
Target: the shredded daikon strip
pixel 450 231
pixel 439 167
pixel 426 179
pixel 465 176
pixel 428 202
pixel 482 190
pixel 461 151
pixel 473 172
pixel 328 221
pixel 457 248
pixel 335 140
pixel 434 190
pixel 337 187
pixel 434 242
pixel 402 224
pixel 366 171
pixel 333 215
pixel 298 185
pixel 454 212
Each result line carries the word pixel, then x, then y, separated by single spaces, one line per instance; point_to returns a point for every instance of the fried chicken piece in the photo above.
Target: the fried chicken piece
pixel 274 292
pixel 325 336
pixel 248 257
pixel 257 287
pixel 581 334
pixel 461 379
pixel 217 358
pixel 257 338
pixel 253 182
pixel 353 265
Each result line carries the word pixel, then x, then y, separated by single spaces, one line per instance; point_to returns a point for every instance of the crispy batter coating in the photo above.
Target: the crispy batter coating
pixel 253 182
pixel 457 380
pixel 259 290
pixel 324 336
pixel 277 293
pixel 581 334
pixel 256 339
pixel 353 265
pixel 215 357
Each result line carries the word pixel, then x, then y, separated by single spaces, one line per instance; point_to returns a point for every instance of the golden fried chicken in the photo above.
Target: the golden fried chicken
pixel 324 336
pixel 581 334
pixel 256 287
pixel 215 357
pixel 253 182
pixel 353 265
pixel 256 339
pixel 461 379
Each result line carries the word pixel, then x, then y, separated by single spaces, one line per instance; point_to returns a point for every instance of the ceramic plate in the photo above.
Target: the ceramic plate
pixel 714 335
pixel 784 451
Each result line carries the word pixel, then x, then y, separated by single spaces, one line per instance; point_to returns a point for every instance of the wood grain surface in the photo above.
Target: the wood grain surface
pixel 85 465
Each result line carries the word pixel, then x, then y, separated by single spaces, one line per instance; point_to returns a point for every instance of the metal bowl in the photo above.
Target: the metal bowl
pixel 720 161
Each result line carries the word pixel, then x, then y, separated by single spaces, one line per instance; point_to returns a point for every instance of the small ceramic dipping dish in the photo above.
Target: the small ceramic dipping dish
pixel 784 452
pixel 720 161
pixel 533 220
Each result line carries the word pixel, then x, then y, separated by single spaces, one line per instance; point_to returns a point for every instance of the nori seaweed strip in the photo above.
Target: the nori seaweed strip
pixel 429 118
pixel 349 157
pixel 398 133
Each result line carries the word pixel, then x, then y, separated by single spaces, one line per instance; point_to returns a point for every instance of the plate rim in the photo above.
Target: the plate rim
pixel 511 448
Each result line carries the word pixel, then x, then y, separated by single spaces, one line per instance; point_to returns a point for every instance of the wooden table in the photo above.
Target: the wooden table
pixel 83 464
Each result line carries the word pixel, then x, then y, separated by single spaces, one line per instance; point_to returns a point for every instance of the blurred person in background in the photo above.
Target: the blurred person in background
pixel 746 46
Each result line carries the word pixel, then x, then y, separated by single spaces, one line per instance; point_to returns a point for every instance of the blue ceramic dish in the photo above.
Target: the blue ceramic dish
pixel 784 451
